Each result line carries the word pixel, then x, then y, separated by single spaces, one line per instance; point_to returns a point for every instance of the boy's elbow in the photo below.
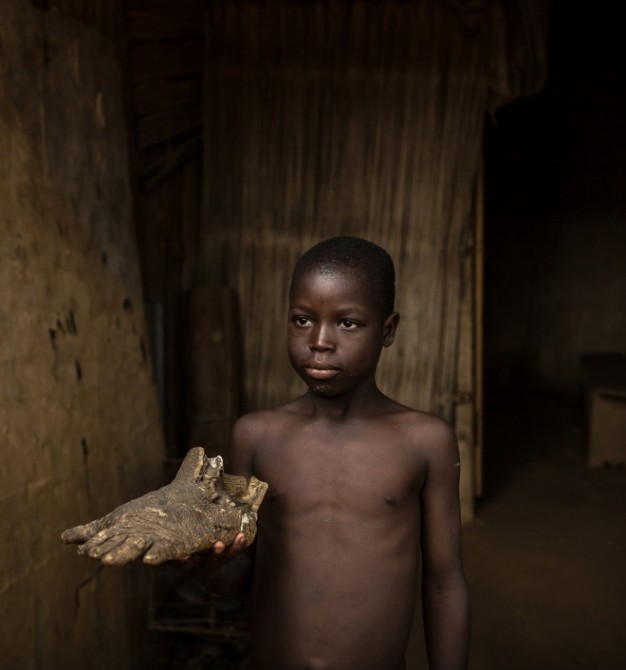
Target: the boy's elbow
pixel 442 586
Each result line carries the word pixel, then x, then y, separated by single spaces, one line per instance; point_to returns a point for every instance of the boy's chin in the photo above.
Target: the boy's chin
pixel 326 389
pixel 320 387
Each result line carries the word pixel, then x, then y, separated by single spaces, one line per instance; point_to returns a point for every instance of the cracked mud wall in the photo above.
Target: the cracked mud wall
pixel 79 420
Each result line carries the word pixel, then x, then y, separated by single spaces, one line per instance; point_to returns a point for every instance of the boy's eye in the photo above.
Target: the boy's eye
pixel 348 324
pixel 301 321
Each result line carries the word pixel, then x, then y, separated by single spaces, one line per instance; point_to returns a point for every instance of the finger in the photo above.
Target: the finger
pixel 188 563
pixel 80 534
pixel 133 547
pixel 218 548
pixel 162 551
pixel 220 553
pixel 235 548
pixel 99 548
pixel 101 537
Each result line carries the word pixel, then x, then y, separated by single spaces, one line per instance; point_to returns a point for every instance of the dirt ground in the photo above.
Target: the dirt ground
pixel 546 556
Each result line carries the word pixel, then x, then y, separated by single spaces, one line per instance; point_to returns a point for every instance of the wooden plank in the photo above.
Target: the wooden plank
pixel 212 369
pixel 190 220
pixel 479 339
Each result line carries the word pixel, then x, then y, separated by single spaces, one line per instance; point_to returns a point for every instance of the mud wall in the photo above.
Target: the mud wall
pixel 79 417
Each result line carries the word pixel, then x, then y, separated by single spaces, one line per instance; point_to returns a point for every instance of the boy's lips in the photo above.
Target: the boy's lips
pixel 319 372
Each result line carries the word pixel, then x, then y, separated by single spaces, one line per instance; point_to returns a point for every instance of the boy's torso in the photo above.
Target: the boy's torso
pixel 338 544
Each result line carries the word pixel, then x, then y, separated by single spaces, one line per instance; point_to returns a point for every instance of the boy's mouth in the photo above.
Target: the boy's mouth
pixel 321 373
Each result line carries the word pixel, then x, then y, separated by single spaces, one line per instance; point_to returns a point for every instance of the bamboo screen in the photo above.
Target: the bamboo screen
pixel 360 118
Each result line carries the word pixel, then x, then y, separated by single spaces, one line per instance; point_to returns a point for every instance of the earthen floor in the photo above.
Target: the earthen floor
pixel 546 555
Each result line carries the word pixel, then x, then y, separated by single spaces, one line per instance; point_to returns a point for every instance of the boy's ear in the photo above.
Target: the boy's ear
pixel 389 329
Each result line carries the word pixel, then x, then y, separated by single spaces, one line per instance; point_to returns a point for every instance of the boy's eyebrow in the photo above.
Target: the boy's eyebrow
pixel 344 309
pixel 350 309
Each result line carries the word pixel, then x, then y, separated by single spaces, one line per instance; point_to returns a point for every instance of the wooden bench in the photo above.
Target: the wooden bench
pixel 605 378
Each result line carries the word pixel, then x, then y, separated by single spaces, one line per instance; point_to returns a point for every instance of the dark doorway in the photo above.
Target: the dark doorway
pixel 545 556
pixel 555 232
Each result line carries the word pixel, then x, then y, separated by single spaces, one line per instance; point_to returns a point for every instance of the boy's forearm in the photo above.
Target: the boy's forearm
pixel 232 578
pixel 447 625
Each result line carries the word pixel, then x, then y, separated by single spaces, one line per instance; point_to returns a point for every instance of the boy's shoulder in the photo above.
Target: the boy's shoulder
pixel 429 433
pixel 417 420
pixel 264 423
pixel 253 432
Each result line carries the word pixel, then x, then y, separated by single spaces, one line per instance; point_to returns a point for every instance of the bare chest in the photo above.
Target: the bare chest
pixel 358 474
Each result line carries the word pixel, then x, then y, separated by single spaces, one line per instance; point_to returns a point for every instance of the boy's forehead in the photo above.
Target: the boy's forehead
pixel 341 288
pixel 329 278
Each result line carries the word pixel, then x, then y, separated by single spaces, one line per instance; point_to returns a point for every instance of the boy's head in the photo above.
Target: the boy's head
pixel 366 260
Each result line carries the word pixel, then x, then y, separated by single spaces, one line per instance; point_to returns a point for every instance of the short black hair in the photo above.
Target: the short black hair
pixel 363 257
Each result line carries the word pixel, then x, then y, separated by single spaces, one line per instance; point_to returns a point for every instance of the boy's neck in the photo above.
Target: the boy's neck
pixel 345 406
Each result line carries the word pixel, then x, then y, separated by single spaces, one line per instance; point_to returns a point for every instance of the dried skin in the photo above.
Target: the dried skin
pixel 201 506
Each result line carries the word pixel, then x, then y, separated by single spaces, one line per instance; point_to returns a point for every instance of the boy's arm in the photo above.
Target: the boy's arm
pixel 225 570
pixel 445 597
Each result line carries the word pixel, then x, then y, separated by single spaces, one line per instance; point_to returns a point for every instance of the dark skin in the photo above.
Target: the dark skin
pixel 359 487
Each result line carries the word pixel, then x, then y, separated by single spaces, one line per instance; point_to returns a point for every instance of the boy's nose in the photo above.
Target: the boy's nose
pixel 321 339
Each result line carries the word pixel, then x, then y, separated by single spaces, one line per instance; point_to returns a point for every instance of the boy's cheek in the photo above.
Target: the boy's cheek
pixel 293 356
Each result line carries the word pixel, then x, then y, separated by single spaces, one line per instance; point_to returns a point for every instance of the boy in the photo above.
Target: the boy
pixel 357 484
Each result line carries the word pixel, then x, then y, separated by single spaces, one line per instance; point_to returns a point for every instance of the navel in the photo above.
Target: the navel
pixel 391 501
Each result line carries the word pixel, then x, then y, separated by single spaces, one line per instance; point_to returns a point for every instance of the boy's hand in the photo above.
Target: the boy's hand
pixel 199 510
pixel 211 561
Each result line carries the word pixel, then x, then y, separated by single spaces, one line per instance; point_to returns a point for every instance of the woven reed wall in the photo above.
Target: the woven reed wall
pixel 344 118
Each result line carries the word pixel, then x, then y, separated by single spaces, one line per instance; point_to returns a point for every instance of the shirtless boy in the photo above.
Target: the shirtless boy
pixel 359 487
